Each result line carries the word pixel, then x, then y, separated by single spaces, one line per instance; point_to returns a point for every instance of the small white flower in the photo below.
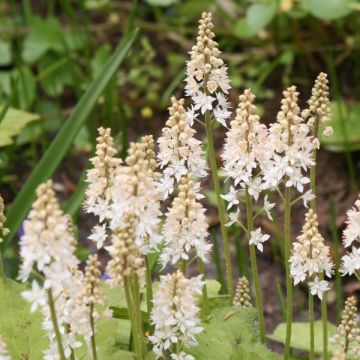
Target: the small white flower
pixel 203 102
pixel 36 296
pixel 308 196
pixel 257 239
pixel 268 207
pixel 350 262
pixel 233 217
pixel 231 197
pixel 318 287
pixel 98 235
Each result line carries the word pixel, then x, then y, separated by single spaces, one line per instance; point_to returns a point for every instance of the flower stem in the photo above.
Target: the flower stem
pixel 2 272
pixel 324 317
pixel 289 289
pixel 206 308
pixel 220 204
pixel 55 325
pixel 92 325
pixel 311 321
pixel 132 314
pixel 254 268
pixel 149 290
pixel 313 182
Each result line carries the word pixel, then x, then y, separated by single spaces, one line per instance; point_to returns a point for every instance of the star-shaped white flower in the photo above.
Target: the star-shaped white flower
pixel 231 197
pixel 318 287
pixel 257 238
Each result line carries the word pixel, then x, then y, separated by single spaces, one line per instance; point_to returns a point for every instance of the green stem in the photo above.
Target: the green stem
pixel 149 290
pixel 137 297
pixel 131 308
pixel 2 271
pixel 289 289
pixel 92 325
pixel 324 317
pixel 254 268
pixel 220 204
pixel 313 182
pixel 312 331
pixel 206 307
pixel 55 324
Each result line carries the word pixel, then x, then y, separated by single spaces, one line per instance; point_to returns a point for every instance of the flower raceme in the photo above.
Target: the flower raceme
pixel 311 257
pixel 207 82
pixel 247 148
pixel 175 315
pixel 351 238
pixel 48 246
pixel 179 151
pixel 293 146
pixel 185 228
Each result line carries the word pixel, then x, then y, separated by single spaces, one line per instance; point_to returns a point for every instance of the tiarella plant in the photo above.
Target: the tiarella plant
pixel 144 292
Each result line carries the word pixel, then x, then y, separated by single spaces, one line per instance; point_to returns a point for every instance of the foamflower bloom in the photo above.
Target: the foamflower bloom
pixel 175 315
pixel 351 238
pixel 185 228
pixel 310 257
pixel 207 82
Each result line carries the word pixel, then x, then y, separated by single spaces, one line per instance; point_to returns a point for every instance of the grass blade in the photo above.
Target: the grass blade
pixel 58 148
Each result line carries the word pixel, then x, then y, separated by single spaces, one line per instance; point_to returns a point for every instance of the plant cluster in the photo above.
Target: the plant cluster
pixel 149 210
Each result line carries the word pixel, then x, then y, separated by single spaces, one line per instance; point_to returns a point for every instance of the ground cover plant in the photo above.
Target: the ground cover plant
pixel 147 291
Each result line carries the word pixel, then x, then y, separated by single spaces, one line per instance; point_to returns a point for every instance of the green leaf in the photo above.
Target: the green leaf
pixel 300 336
pixel 330 9
pixel 21 330
pixel 254 352
pixel 258 16
pixel 13 122
pixel 45 35
pixel 60 145
pixel 161 2
pixel 5 53
pixel 228 330
pixel 213 287
pixel 55 73
pixel 346 125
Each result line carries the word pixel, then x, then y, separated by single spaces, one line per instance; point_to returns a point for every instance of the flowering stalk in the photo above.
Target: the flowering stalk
pixel 310 259
pixel 254 269
pixel 206 306
pixel 125 268
pixel 220 203
pixel 206 84
pixel 55 325
pixel 3 232
pixel 289 288
pixel 149 290
pixel 312 329
pixel 318 113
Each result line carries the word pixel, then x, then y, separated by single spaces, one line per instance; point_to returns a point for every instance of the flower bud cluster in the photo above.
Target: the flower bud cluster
pixel 242 296
pixel 348 332
pixel 319 111
pixel 125 255
pixel 93 293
